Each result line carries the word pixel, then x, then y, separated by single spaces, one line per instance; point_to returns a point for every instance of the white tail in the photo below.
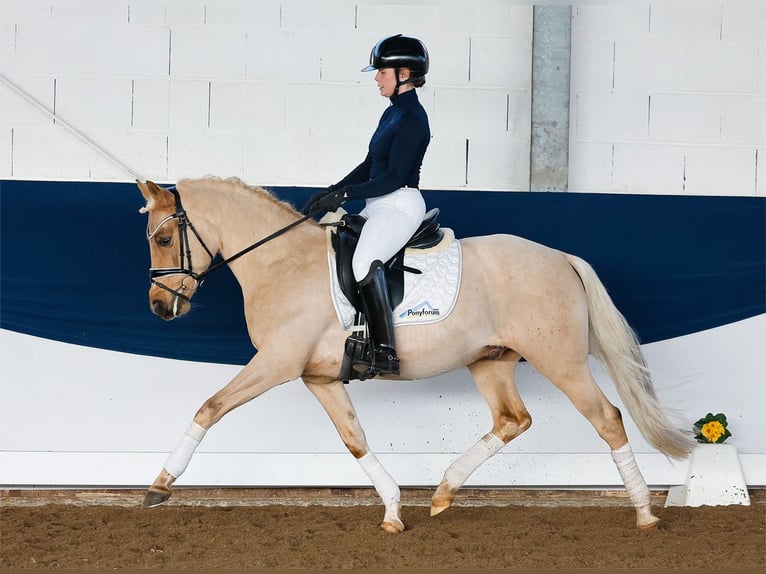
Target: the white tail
pixel 614 343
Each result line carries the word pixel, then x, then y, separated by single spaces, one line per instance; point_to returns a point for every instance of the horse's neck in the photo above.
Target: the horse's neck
pixel 243 217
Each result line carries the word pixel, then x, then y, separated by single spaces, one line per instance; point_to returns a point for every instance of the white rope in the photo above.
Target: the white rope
pixel 70 127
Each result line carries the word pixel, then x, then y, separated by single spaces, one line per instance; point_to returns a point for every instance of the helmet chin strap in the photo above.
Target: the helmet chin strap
pixel 400 83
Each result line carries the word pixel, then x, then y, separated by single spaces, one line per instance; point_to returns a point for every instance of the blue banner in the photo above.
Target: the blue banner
pixel 74 262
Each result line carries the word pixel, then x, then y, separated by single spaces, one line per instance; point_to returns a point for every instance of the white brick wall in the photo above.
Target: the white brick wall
pixel 270 91
pixel 669 97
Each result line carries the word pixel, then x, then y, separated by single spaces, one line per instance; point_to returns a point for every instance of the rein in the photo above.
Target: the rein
pixel 185 250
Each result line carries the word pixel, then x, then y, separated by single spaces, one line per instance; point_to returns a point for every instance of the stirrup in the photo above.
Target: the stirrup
pixel 377 361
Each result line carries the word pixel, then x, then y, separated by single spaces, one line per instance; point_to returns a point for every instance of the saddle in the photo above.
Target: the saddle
pixel 344 242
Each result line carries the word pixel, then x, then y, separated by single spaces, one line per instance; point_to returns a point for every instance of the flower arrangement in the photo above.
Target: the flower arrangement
pixel 711 429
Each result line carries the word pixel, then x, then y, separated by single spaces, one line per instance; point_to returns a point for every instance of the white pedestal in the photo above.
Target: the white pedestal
pixel 714 478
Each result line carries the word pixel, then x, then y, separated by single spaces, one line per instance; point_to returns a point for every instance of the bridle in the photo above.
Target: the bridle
pixel 186 266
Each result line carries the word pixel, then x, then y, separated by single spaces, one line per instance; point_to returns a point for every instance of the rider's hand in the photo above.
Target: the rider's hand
pixel 332 199
pixel 311 204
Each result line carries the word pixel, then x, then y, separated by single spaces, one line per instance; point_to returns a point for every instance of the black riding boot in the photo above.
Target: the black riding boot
pixel 381 359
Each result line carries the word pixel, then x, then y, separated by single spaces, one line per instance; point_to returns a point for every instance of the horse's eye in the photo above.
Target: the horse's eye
pixel 164 240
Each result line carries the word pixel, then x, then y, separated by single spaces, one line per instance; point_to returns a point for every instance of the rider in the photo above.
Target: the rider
pixel 388 180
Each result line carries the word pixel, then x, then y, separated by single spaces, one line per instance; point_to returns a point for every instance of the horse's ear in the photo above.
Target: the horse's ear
pixel 154 195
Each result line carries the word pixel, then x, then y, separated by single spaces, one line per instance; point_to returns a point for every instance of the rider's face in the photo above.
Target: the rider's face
pixel 386 80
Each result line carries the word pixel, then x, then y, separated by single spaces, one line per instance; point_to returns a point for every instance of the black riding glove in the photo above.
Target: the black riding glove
pixel 312 204
pixel 332 199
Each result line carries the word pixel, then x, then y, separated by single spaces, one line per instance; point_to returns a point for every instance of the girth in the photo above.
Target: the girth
pixel 346 237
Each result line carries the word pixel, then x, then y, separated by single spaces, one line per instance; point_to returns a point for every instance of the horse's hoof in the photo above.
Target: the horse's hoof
pixel 154 498
pixel 649 524
pixel 645 519
pixel 393 526
pixel 440 501
pixel 438 509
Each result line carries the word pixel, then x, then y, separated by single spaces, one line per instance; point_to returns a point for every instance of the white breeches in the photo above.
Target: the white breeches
pixel 391 220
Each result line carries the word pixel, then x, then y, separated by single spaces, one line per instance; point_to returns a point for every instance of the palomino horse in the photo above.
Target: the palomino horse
pixel 517 299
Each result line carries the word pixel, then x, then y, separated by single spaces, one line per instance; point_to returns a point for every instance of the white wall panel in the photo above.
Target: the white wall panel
pixel 743 119
pixel 645 168
pixel 208 53
pixel 17 112
pixel 331 110
pixel 185 12
pixel 686 20
pixel 180 69
pixel 151 104
pixel 685 66
pixel 284 56
pixel 107 12
pixel 609 116
pixel 506 170
pixel 685 118
pixel 489 117
pixel 146 150
pixel 208 153
pixel 592 65
pixel 91 49
pixel 111 418
pixel 95 102
pixel 445 163
pixel 720 170
pixel 628 21
pixel 190 105
pixel 236 14
pixel 247 106
pixel 501 62
pixel 591 166
pixel 675 90
pixel 743 21
pixel 73 158
pixel 331 16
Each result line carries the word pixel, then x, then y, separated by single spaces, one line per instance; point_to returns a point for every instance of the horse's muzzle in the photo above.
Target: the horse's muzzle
pixel 168 306
pixel 162 310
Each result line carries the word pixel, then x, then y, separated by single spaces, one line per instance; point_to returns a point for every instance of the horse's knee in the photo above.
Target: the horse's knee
pixel 508 427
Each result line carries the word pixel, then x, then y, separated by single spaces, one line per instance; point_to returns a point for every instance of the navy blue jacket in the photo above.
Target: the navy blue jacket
pixel 395 153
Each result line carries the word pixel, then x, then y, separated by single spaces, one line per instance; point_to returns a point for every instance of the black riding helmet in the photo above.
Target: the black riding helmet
pixel 400 52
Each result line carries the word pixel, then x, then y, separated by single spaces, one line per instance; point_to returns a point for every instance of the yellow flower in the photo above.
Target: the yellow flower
pixel 713 430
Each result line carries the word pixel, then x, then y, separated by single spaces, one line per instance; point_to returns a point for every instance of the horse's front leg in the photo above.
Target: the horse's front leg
pixel 335 400
pixel 257 377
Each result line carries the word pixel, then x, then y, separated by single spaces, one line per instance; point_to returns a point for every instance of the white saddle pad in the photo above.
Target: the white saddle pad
pixel 428 297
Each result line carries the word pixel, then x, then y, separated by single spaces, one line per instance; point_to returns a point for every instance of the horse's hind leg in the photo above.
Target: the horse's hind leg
pixel 495 381
pixel 578 385
pixel 336 402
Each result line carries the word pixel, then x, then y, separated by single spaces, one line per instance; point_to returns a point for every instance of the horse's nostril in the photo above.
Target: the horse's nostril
pixel 158 307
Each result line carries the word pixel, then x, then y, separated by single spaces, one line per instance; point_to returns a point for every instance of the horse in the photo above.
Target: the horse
pixel 517 299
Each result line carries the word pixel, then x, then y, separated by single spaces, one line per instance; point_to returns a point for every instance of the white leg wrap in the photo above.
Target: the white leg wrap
pixel 631 476
pixel 459 471
pixel 384 485
pixel 179 459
